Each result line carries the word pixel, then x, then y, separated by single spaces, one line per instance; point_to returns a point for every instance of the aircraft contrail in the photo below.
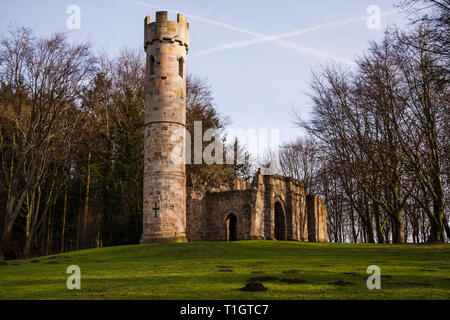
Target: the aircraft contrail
pixel 260 38
pixel 275 38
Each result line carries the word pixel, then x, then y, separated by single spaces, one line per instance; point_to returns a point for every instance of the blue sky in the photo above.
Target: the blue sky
pixel 256 84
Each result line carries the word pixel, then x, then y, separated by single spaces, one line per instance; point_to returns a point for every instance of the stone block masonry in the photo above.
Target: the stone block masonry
pixel 271 207
pixel 166 44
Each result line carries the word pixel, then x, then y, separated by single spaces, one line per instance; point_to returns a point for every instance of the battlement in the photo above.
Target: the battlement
pixel 163 30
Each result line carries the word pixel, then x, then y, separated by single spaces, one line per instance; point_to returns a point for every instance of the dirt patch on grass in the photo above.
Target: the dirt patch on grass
pixel 100 261
pixel 428 270
pixel 341 283
pixel 386 276
pixel 225 268
pixel 34 261
pixel 423 284
pixel 51 262
pixel 258 272
pixel 293 271
pixel 294 281
pixel 256 279
pixel 3 263
pixel 353 274
pixel 418 284
pixel 254 287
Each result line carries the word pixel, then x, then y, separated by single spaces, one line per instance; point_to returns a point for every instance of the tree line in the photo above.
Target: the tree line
pixel 71 144
pixel 378 140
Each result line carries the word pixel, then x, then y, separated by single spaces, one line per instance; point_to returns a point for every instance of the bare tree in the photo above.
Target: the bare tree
pixel 435 15
pixel 300 160
pixel 384 128
pixel 425 94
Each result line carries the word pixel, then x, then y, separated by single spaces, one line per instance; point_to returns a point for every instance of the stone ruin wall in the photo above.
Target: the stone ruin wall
pixel 291 194
pixel 254 207
pixel 207 210
pixel 317 219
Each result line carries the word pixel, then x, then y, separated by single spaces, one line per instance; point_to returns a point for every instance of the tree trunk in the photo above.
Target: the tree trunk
pixel 397 229
pixel 48 247
pixel 26 250
pixel 447 227
pixel 28 242
pixel 352 222
pixel 64 221
pixel 379 230
pixel 77 245
pixel 405 230
pixel 370 236
pixel 437 222
pixel 437 229
pixel 86 199
pixel 3 244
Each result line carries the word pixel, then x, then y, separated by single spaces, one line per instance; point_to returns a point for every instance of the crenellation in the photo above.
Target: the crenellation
pixel 163 30
pixel 181 18
pixel 161 16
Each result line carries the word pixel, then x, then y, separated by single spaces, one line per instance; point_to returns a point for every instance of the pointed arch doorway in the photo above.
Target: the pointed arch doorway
pixel 231 223
pixel 280 224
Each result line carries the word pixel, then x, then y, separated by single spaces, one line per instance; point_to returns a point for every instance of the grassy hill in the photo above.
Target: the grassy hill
pixel 201 270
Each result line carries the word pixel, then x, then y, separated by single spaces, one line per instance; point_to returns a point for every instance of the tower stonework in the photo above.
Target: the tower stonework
pixel 166 44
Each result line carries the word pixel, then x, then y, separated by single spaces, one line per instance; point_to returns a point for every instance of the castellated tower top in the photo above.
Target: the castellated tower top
pixel 163 30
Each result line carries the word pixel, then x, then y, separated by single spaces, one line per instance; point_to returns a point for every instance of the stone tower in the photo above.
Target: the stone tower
pixel 166 44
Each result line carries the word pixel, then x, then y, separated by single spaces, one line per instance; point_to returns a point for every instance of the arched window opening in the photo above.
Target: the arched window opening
pixel 152 65
pixel 181 67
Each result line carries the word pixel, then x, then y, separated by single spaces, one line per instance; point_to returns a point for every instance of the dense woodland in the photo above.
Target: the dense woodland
pixel 71 142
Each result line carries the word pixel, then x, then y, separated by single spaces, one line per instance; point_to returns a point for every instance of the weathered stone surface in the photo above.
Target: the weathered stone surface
pixel 317 219
pixel 164 132
pixel 254 208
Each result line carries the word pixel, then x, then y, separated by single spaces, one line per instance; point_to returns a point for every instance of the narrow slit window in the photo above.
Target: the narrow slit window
pixel 180 67
pixel 152 65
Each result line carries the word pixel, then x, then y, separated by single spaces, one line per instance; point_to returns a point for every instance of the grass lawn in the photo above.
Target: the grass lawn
pixel 192 271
